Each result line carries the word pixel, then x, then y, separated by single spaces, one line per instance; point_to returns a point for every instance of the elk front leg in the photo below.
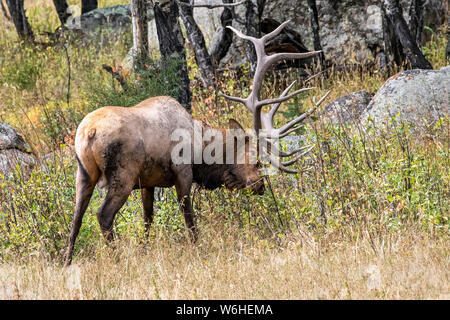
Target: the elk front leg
pixel 114 200
pixel 148 196
pixel 183 187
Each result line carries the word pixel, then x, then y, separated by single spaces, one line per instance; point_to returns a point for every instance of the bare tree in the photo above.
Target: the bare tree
pixel 88 5
pixel 251 29
pixel 208 61
pixel 314 18
pixel 5 12
pixel 171 45
pixel 140 33
pixel 416 13
pixel 19 18
pixel 61 9
pixel 410 50
pixel 226 35
pixel 195 36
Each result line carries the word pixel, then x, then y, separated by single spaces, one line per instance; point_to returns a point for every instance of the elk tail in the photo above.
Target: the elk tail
pixel 84 174
pixel 91 133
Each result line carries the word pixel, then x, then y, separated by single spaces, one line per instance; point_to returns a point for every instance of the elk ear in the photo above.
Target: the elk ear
pixel 233 124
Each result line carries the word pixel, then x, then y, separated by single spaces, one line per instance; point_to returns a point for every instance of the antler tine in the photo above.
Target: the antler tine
pixel 275 32
pixel 291 162
pixel 244 36
pixel 233 98
pixel 267 118
pixel 289 127
pixel 275 133
pixel 275 106
pixel 290 55
pixel 283 154
pixel 281 98
pixel 322 99
pixel 285 131
pixel 304 115
pixel 276 163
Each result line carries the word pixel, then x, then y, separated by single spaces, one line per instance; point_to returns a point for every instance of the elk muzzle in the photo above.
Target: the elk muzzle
pixel 257 187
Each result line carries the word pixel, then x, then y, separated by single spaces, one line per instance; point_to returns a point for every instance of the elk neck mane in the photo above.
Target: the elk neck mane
pixel 209 176
pixel 213 176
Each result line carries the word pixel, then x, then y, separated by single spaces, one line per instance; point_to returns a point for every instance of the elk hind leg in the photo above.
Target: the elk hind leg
pixel 85 185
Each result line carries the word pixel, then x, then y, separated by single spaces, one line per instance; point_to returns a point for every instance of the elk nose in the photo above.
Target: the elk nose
pixel 261 189
pixel 256 186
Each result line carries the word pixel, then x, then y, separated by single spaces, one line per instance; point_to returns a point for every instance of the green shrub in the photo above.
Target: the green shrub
pixel 23 70
pixel 156 79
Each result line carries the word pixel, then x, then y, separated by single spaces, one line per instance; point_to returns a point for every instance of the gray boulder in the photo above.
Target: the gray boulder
pixel 349 108
pixel 10 139
pixel 350 31
pixel 418 97
pixel 114 17
pixel 292 142
pixel 14 151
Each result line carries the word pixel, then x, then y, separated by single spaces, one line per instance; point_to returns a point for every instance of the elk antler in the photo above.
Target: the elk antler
pixel 254 104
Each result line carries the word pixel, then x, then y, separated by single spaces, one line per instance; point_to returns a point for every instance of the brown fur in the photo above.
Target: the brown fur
pixel 130 148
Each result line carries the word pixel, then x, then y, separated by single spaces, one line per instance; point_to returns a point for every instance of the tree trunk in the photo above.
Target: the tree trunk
pixel 171 45
pixel 61 9
pixel 140 33
pixel 88 5
pixel 251 29
pixel 195 35
pixel 412 53
pixel 416 13
pixel 5 12
pixel 226 36
pixel 393 53
pixel 314 18
pixel 17 12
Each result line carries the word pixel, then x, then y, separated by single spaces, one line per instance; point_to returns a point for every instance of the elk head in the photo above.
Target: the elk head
pixel 247 174
pixel 230 161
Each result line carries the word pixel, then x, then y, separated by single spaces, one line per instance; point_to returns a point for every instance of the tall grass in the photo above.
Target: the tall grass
pixel 226 265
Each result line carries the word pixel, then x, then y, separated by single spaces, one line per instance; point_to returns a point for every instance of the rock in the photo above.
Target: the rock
pixel 115 17
pixel 350 31
pixel 14 151
pixel 292 142
pixel 349 108
pixel 10 158
pixel 10 139
pixel 418 97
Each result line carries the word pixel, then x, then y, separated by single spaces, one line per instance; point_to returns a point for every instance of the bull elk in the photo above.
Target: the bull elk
pixel 130 148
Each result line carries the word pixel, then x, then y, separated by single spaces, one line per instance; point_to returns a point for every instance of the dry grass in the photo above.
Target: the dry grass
pixel 406 265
